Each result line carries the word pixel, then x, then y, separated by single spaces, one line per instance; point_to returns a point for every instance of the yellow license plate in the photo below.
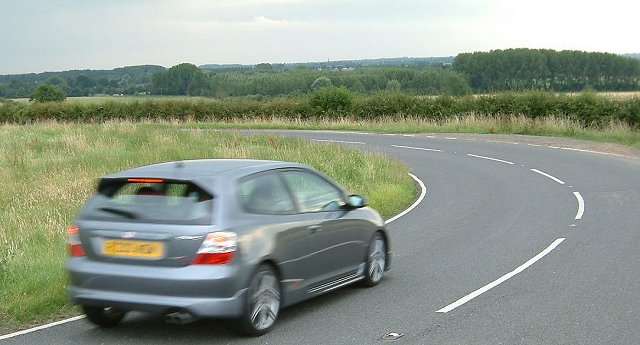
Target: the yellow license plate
pixel 144 249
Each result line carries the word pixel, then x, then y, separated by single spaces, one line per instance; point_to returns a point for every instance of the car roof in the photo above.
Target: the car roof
pixel 195 169
pixel 203 172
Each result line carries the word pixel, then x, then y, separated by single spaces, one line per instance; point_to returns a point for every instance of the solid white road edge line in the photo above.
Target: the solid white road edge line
pixel 11 335
pixel 423 193
pixel 580 205
pixel 491 159
pixel 589 151
pixel 547 175
pixel 500 280
pixel 416 148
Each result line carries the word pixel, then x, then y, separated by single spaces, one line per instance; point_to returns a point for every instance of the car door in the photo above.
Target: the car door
pixel 334 247
pixel 270 209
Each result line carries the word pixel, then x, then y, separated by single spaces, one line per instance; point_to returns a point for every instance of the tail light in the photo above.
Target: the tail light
pixel 217 248
pixel 73 241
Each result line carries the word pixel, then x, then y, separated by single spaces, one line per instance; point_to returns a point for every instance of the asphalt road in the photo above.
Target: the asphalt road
pixel 518 241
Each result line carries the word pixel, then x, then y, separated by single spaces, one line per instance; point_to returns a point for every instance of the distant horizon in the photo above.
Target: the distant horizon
pixel 631 55
pixel 231 64
pixel 235 63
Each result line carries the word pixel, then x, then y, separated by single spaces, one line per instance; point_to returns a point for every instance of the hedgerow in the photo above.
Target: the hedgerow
pixel 589 109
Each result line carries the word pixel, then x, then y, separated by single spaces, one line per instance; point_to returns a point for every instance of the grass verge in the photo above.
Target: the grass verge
pixel 614 132
pixel 48 170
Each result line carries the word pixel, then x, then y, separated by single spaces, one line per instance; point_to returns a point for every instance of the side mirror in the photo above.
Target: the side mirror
pixel 356 201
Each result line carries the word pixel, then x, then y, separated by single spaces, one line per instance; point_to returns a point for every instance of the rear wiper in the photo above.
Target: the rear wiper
pixel 120 212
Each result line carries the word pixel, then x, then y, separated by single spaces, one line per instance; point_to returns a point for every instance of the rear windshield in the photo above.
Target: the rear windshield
pixel 158 202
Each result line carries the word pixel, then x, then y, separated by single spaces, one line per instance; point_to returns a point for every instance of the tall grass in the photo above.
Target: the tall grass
pixel 48 170
pixel 614 132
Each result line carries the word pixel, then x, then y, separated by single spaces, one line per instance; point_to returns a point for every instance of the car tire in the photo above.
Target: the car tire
pixel 103 316
pixel 262 302
pixel 376 261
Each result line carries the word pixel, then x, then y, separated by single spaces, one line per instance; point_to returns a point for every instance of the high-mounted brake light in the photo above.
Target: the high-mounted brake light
pixel 73 241
pixel 217 248
pixel 145 180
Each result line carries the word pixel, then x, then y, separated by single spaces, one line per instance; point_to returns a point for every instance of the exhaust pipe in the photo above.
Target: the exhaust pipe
pixel 179 318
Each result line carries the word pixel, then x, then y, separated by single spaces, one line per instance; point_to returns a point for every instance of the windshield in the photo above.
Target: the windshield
pixel 158 202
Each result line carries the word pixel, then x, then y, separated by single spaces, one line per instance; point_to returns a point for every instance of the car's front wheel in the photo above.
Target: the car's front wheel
pixel 376 261
pixel 262 302
pixel 103 316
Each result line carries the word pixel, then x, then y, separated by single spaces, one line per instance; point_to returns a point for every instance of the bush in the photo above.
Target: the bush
pixel 331 100
pixel 385 103
pixel 454 84
pixel 631 114
pixel 10 111
pixel 48 93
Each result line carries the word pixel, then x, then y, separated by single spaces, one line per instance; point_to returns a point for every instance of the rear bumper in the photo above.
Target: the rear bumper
pixel 201 290
pixel 198 307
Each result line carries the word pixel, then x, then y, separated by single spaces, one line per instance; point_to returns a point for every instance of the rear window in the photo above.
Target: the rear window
pixel 159 201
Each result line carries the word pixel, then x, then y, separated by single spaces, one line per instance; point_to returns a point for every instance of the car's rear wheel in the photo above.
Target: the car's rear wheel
pixel 262 302
pixel 376 261
pixel 103 316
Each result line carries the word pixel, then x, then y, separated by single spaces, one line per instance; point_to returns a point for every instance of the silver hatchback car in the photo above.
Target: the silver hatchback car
pixel 219 238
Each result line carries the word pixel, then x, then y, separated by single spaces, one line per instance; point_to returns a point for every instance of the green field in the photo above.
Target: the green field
pixel 128 98
pixel 48 170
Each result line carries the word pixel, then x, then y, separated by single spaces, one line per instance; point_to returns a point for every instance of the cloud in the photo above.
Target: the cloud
pixel 256 23
pixel 264 21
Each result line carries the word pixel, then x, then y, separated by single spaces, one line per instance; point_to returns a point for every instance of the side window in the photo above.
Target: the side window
pixel 265 194
pixel 313 193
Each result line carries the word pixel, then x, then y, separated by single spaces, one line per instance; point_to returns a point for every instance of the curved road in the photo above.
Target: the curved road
pixel 515 243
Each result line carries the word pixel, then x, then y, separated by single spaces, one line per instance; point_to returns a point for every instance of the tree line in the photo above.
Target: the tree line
pixel 479 72
pixel 77 83
pixel 498 70
pixel 549 70
pixel 264 80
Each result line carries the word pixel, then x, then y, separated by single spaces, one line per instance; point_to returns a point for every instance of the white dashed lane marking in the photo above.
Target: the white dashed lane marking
pixel 490 159
pixel 547 175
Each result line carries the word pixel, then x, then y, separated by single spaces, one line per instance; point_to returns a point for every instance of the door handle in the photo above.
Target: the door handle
pixel 314 228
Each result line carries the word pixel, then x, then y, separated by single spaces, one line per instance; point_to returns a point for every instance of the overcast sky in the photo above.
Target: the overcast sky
pixel 58 35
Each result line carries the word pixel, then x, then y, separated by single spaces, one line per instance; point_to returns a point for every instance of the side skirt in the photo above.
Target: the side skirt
pixel 339 282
